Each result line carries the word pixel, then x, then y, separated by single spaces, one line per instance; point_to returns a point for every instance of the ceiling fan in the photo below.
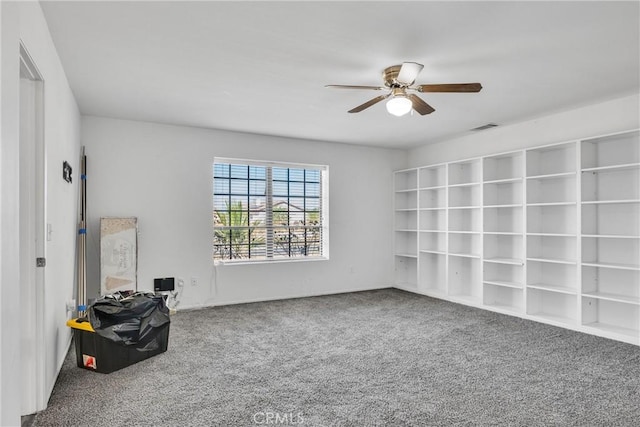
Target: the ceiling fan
pixel 398 81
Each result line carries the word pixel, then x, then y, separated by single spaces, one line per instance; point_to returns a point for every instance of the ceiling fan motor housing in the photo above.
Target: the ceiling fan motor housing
pixel 390 75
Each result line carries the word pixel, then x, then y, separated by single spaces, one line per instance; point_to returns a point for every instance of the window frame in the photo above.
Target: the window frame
pixel 269 201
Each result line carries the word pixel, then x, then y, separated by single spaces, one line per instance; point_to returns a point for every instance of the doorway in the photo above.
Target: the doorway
pixel 32 234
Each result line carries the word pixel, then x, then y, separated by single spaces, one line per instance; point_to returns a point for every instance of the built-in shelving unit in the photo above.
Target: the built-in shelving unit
pixel 406 228
pixel 548 233
pixel 433 229
pixel 464 230
pixel 503 228
pixel 610 222
pixel 551 197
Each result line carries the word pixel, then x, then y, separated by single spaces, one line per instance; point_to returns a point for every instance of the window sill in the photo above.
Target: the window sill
pixel 275 261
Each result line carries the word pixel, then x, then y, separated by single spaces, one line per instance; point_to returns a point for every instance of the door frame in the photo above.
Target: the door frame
pixel 33 235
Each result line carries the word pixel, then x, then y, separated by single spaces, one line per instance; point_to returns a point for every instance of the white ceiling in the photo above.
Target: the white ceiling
pixel 261 67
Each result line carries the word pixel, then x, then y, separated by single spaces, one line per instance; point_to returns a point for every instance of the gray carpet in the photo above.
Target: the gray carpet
pixel 362 359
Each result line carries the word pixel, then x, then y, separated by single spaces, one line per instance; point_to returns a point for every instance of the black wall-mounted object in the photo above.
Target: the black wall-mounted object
pixel 164 284
pixel 66 171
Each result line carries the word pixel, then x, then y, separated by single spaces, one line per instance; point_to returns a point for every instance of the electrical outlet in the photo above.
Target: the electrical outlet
pixel 71 305
pixel 194 281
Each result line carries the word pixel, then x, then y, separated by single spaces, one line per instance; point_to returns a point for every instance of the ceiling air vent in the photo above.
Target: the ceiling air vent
pixel 487 126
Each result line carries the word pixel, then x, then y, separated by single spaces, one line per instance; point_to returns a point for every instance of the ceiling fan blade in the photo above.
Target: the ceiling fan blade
pixel 420 106
pixel 451 87
pixel 355 87
pixel 408 73
pixel 369 103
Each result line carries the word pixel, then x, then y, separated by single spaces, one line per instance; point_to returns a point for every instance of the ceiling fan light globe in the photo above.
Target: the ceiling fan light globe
pixel 399 106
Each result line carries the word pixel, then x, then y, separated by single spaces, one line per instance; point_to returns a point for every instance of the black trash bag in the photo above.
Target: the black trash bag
pixel 134 320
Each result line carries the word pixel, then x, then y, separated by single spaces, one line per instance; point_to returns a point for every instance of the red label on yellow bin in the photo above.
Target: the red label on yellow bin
pixel 89 361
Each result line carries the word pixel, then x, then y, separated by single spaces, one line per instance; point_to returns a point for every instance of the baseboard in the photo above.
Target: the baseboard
pixel 280 297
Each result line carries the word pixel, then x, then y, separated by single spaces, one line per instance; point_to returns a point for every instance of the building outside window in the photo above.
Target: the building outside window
pixel 265 211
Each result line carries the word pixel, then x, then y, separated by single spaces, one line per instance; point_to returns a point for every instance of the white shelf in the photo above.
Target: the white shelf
pixel 505 284
pixel 551 219
pixel 552 204
pixel 432 176
pixel 616 252
pixel 613 297
pixel 551 175
pixel 503 167
pixel 611 219
pixel 552 288
pixel 552 317
pixel 613 284
pixel 464 172
pixel 503 206
pixel 612 167
pixel 464 184
pixel 551 161
pixel 610 236
pixel 463 196
pixel 504 181
pixel 406 255
pixel 406 200
pixel 406 180
pixel 553 234
pixel 552 275
pixel 502 307
pixel 552 304
pixel 514 261
pixel 436 187
pixel 619 266
pixel 473 300
pixel 426 251
pixel 503 297
pixel 503 274
pixel 611 151
pixel 465 220
pixel 613 328
pixel 503 193
pixel 503 219
pixel 464 255
pixel 605 202
pixel 561 249
pixel 465 207
pixel 611 185
pixel 407 190
pixel 504 233
pixel 434 198
pixel 433 273
pixel 612 316
pixel 463 232
pixel 551 190
pixel 406 271
pixel 465 276
pixel 553 261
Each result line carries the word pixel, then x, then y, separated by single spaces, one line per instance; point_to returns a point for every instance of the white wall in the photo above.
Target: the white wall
pixel 596 119
pixel 9 202
pixel 24 21
pixel 163 175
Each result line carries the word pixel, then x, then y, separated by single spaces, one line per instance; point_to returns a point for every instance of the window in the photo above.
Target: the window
pixel 268 211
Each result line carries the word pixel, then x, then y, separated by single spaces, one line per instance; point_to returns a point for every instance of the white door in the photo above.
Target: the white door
pixel 32 235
